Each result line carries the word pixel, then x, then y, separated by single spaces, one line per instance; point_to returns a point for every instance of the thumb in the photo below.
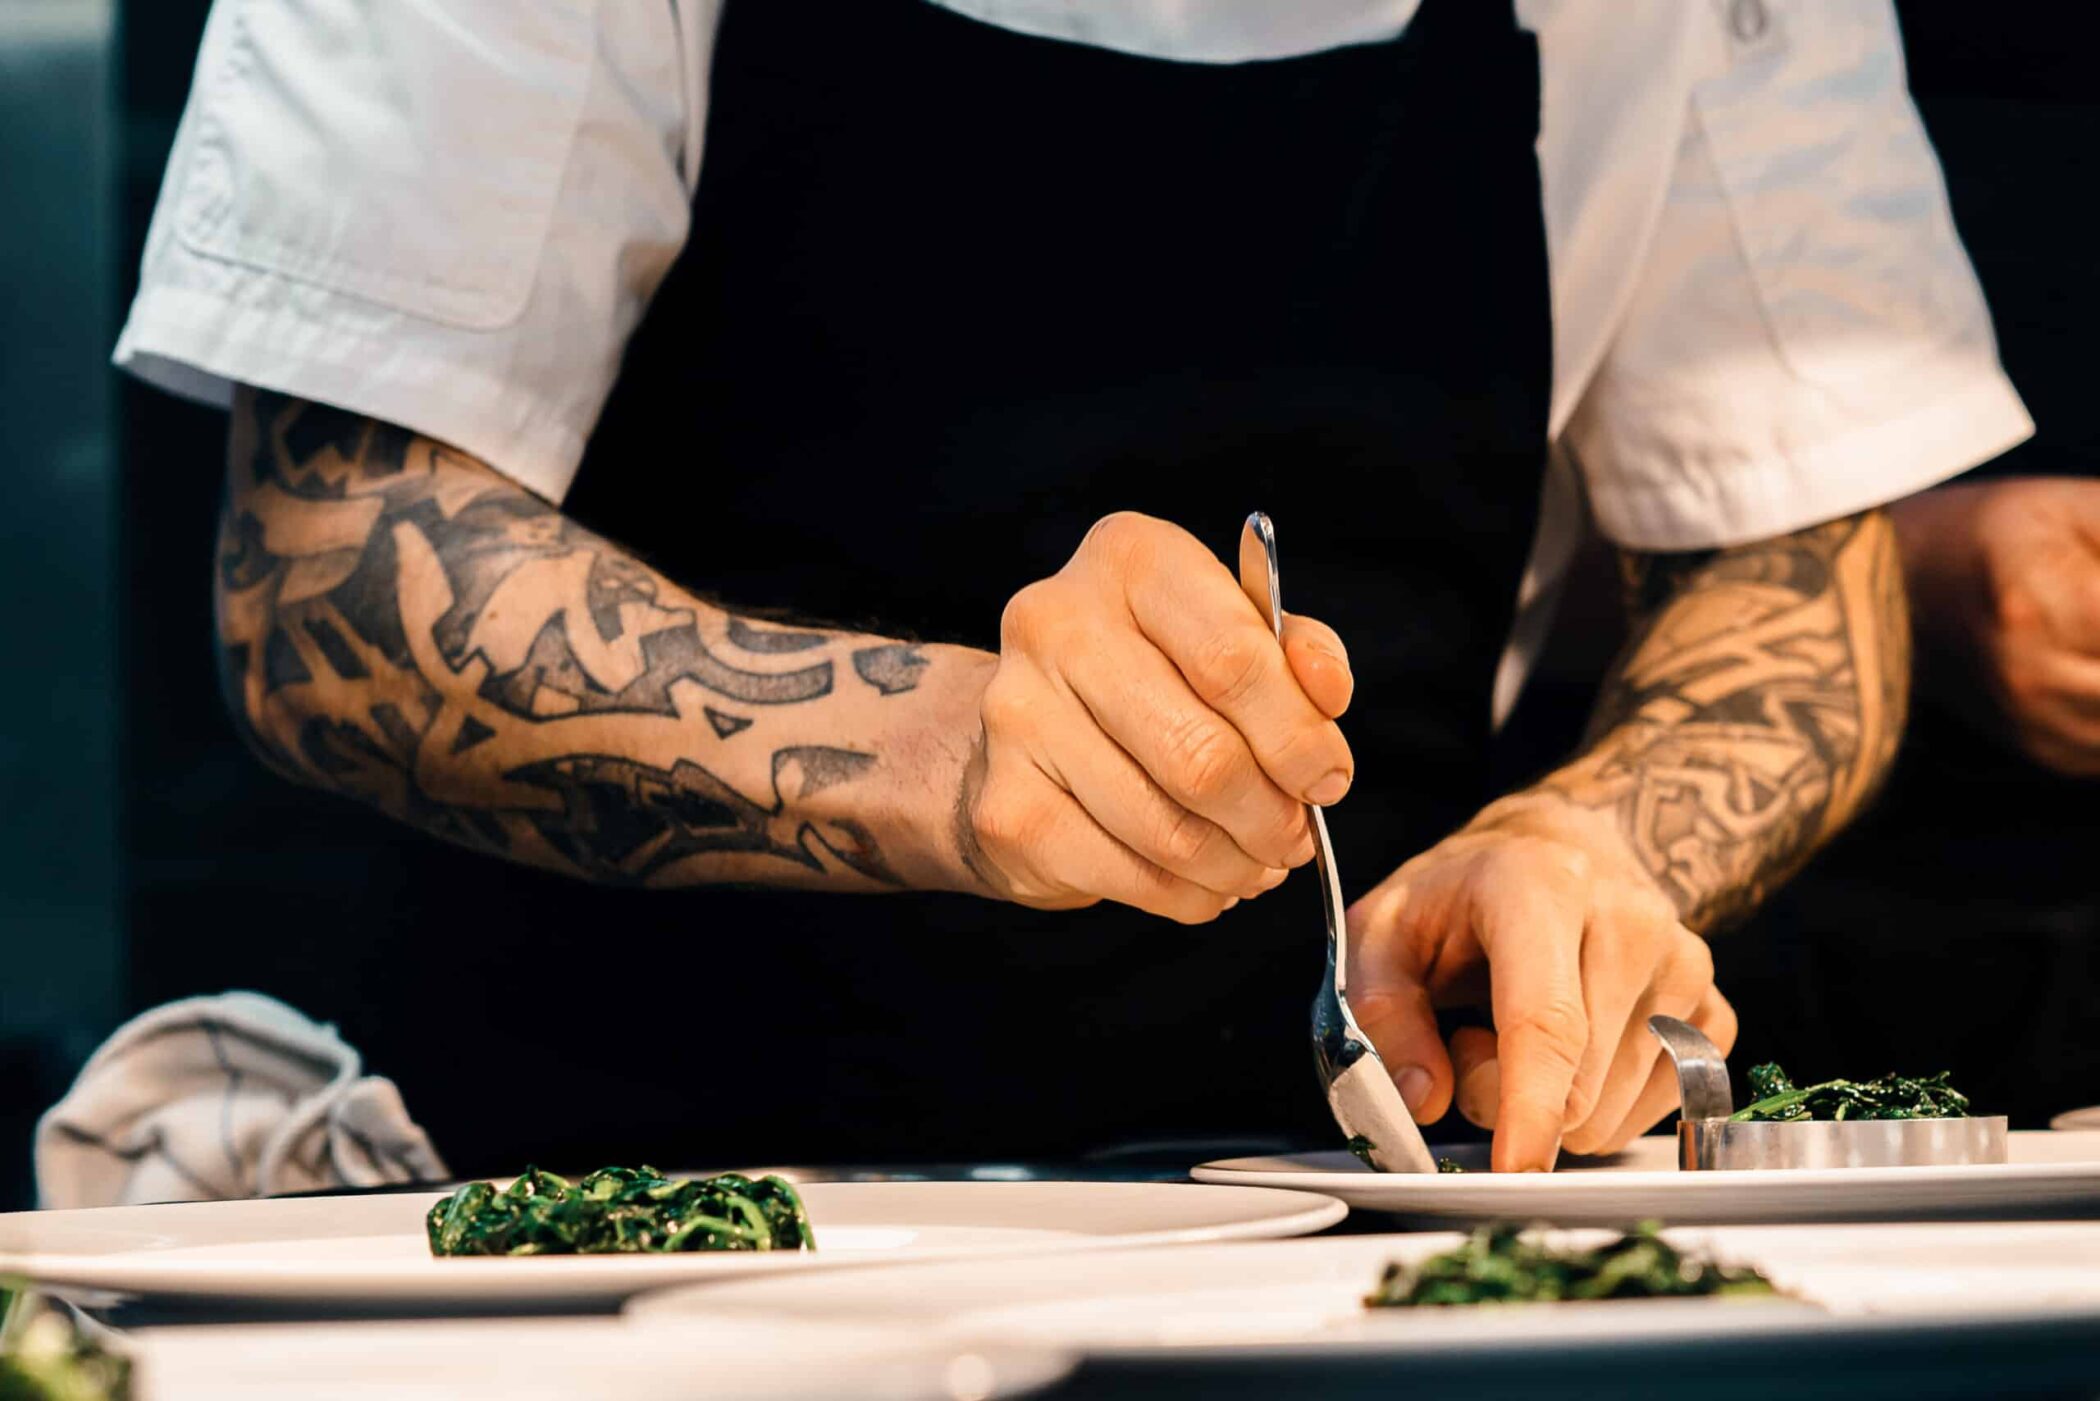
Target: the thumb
pixel 1395 1012
pixel 1320 662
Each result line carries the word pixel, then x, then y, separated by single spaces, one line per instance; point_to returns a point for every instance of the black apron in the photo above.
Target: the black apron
pixel 953 293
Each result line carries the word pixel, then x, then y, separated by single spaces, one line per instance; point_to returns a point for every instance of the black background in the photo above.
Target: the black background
pixel 1958 927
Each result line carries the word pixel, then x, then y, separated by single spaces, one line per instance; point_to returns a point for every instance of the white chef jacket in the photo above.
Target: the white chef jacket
pixel 451 214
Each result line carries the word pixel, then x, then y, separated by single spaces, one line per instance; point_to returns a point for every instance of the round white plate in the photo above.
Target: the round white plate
pixel 371 1249
pixel 573 1360
pixel 1294 1297
pixel 2048 1173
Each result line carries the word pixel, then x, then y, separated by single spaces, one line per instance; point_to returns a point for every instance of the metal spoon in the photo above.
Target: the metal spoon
pixel 1361 1094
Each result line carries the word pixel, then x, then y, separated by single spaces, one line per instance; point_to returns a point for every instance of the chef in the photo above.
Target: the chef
pixel 780 452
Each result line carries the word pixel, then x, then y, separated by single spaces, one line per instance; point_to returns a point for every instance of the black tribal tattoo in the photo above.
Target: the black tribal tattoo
pixel 892 668
pixel 1754 712
pixel 402 625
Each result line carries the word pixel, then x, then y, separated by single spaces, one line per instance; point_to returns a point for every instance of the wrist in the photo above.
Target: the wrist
pixel 1552 810
pixel 1944 567
pixel 931 758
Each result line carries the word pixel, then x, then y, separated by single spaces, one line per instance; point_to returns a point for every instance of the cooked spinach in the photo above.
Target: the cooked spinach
pixel 620 1210
pixel 1502 1264
pixel 45 1357
pixel 1775 1099
pixel 1362 1147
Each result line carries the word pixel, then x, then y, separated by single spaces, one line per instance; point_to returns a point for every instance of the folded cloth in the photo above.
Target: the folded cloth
pixel 230 1096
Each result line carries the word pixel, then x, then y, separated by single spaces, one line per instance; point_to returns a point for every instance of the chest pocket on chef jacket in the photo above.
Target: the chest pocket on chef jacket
pixel 1833 188
pixel 407 152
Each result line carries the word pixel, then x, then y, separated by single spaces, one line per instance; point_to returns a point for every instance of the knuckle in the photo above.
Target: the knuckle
pixel 1557 1028
pixel 1205 760
pixel 1691 962
pixel 1722 1026
pixel 1651 909
pixel 1230 664
pixel 1004 708
pixel 1540 861
pixel 1007 823
pixel 1312 750
pixel 1166 894
pixel 2015 607
pixel 1021 621
pixel 1281 832
pixel 1569 864
pixel 1183 839
pixel 1118 537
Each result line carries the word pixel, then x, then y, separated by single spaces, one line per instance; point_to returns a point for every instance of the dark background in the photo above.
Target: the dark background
pixel 1958 927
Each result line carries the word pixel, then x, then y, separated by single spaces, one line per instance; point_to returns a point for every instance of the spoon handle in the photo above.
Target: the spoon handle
pixel 1260 576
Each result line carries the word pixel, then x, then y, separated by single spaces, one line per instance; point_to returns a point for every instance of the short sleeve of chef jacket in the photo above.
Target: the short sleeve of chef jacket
pixel 447 214
pixel 1767 321
pixel 450 214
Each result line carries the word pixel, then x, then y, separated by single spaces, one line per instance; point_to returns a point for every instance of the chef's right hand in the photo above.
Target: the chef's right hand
pixel 1146 738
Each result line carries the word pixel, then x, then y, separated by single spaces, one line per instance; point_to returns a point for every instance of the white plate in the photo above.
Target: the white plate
pixel 2048 1173
pixel 1295 1297
pixel 371 1249
pixel 572 1359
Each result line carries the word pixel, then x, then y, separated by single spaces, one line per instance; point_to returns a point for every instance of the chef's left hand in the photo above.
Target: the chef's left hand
pixel 2004 579
pixel 1538 912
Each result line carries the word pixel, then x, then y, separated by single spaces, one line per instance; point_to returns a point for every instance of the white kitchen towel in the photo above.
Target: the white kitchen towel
pixel 230 1096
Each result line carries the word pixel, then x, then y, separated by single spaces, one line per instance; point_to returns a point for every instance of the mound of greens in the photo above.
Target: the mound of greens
pixel 1501 1264
pixel 620 1210
pixel 44 1357
pixel 1775 1099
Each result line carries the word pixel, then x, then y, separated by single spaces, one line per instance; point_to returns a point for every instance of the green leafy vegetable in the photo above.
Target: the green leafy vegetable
pixel 44 1357
pixel 1776 1100
pixel 620 1210
pixel 1501 1264
pixel 1362 1147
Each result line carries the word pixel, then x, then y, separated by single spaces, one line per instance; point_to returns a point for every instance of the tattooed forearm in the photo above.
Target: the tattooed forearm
pixel 1753 713
pixel 402 625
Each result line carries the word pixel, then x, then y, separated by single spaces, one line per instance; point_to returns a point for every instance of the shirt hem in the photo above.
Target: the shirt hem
pixel 197 346
pixel 1856 471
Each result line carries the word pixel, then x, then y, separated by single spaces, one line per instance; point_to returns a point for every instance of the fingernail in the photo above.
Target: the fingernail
pixel 1415 1084
pixel 1480 1093
pixel 1274 877
pixel 1329 789
pixel 1230 901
